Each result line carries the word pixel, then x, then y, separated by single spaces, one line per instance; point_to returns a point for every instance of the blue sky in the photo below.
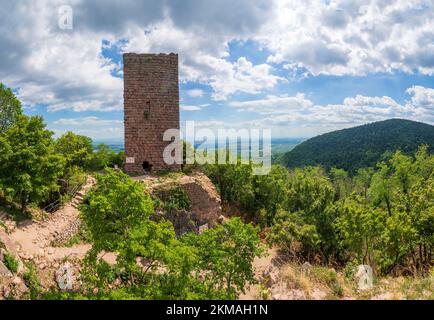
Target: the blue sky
pixel 301 68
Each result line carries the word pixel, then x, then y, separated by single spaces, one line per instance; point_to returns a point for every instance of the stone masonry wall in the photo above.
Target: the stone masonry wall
pixel 151 106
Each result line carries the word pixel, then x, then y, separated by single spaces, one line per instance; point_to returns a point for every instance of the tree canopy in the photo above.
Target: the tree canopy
pixel 362 146
pixel 10 108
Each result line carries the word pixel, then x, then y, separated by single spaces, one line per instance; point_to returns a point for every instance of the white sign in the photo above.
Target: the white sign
pixel 129 160
pixel 203 227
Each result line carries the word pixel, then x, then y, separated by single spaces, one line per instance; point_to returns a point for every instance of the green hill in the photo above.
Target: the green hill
pixel 361 146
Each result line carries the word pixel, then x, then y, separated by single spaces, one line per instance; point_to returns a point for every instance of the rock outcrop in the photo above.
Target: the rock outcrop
pixel 205 201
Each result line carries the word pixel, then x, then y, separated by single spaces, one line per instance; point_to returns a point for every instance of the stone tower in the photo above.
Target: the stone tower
pixel 151 106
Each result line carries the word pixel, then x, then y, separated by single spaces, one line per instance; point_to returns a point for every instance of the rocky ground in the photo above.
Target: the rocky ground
pixel 34 241
pixel 279 279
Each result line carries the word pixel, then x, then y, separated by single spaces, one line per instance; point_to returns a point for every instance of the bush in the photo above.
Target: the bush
pixel 10 262
pixel 174 199
pixel 32 281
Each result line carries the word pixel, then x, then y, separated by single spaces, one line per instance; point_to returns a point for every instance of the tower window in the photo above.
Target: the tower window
pixel 147 112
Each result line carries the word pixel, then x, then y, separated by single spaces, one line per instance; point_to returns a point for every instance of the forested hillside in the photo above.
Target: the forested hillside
pixel 362 146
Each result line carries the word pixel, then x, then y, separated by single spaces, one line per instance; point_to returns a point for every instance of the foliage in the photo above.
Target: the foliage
pixel 10 108
pixel 32 281
pixel 391 224
pixel 10 262
pixel 29 167
pixel 234 182
pixel 225 255
pixel 327 277
pixel 175 199
pixel 361 147
pixel 152 263
pixel 289 227
pixel 383 216
pixel 114 209
pixel 76 149
pixel 104 157
pixel 360 228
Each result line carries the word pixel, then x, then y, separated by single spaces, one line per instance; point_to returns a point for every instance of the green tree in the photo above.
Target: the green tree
pixel 362 181
pixel 29 167
pixel 76 149
pixel 118 215
pixel 381 187
pixel 270 193
pixel 102 157
pixel 312 197
pixel 341 182
pixel 234 182
pixel 360 228
pixel 290 229
pixel 113 209
pixel 10 108
pixel 225 256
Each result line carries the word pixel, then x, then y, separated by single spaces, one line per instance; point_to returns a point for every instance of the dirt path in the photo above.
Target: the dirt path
pixel 34 238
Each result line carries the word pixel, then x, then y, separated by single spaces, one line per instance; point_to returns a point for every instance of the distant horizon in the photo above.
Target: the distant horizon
pixel 118 140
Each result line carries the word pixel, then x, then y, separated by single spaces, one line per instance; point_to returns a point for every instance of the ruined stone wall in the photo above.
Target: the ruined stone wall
pixel 151 106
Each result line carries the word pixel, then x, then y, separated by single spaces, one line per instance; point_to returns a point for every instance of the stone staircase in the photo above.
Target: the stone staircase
pixel 79 196
pixel 77 200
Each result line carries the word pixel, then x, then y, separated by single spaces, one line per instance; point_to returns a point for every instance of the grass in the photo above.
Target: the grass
pixel 169 174
pixel 336 285
pixel 329 278
pixel 315 277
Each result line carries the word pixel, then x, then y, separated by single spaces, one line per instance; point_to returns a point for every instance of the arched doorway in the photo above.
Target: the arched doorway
pixel 147 167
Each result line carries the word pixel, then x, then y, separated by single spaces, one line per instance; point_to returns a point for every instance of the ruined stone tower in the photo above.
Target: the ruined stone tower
pixel 151 106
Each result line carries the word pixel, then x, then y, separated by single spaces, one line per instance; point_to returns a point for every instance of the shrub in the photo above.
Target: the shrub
pixel 32 281
pixel 10 262
pixel 177 200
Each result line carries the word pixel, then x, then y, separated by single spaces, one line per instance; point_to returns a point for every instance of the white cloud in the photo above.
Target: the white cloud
pixel 195 93
pixel 352 37
pixel 190 108
pixel 241 76
pixel 65 69
pixel 299 112
pixel 202 59
pixel 274 104
pixel 86 121
pixel 422 102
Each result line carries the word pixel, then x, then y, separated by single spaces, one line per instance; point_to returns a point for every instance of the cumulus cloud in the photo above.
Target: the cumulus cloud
pixel 286 111
pixel 194 108
pixel 352 37
pixel 241 76
pixel 64 69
